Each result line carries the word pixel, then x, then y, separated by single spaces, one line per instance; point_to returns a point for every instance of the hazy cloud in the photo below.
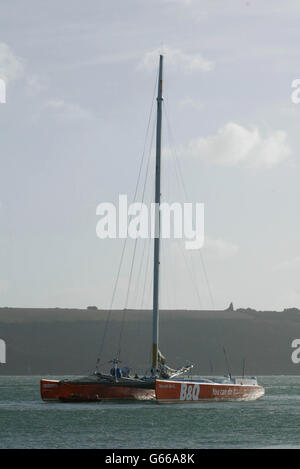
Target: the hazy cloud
pixel 219 249
pixel 292 264
pixel 179 2
pixel 67 111
pixel 190 103
pixel 11 67
pixel 3 286
pixel 234 144
pixel 176 58
pixel 34 85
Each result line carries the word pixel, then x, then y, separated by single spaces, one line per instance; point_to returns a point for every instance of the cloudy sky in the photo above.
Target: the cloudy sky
pixel 79 86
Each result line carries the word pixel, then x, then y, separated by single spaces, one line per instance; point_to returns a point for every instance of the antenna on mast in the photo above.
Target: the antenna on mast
pixel 227 362
pixel 244 362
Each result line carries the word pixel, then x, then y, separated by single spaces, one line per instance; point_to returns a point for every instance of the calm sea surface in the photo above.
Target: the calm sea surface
pixel 271 422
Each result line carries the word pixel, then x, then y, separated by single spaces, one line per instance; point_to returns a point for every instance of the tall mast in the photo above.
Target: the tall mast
pixel 157 223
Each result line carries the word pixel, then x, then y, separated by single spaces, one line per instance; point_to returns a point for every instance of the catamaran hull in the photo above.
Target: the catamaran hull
pixel 54 390
pixel 190 392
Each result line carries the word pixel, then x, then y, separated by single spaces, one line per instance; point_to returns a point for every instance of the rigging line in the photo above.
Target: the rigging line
pixel 142 316
pixel 147 267
pixel 136 239
pixel 177 173
pixel 140 275
pixel 147 244
pixel 219 333
pixel 191 273
pixel 186 196
pixel 176 159
pixel 150 291
pixel 165 279
pixel 134 252
pixel 111 303
pixel 143 198
pixel 147 295
pixel 146 272
pixel 142 201
pixel 177 162
pixel 125 241
pixel 207 281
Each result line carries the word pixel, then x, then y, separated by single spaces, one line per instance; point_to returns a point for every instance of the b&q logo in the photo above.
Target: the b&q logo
pixel 2 91
pixel 2 351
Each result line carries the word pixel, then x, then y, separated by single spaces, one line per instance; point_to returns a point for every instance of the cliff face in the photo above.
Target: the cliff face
pixel 59 341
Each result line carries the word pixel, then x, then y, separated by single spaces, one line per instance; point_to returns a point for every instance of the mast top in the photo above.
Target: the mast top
pixel 160 78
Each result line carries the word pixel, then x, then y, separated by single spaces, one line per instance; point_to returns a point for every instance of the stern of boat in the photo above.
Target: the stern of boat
pixel 49 389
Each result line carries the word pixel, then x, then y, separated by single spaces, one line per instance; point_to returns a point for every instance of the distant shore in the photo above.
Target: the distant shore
pixel 57 341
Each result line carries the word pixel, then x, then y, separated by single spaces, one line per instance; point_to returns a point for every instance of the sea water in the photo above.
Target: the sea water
pixel 28 422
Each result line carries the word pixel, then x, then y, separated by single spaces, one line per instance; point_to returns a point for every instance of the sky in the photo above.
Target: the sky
pixel 79 81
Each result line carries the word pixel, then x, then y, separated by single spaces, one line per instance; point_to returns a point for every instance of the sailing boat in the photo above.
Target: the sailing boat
pixel 161 383
pixel 115 386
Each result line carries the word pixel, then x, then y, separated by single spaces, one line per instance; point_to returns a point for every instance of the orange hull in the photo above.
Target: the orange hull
pixel 192 391
pixel 53 390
